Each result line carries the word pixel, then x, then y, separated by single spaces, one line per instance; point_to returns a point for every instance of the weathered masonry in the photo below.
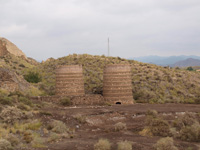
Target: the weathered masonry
pixel 69 80
pixel 117 84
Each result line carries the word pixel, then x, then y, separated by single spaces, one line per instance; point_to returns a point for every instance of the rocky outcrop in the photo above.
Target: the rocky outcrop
pixel 11 82
pixel 8 47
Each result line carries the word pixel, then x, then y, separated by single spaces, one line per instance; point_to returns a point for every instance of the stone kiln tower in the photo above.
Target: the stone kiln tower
pixel 69 81
pixel 117 84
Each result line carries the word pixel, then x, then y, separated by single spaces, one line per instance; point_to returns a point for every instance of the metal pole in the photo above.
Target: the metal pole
pixel 108 47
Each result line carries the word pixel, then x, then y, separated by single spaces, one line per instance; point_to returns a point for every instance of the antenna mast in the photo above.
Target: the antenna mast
pixel 108 47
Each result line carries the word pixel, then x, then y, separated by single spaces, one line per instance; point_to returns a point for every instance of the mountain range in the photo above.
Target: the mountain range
pixel 168 61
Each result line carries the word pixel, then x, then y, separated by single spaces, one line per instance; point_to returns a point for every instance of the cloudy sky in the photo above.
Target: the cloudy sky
pixel 56 28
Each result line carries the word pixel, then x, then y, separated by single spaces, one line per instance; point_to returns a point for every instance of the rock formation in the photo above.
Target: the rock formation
pixel 8 47
pixel 11 81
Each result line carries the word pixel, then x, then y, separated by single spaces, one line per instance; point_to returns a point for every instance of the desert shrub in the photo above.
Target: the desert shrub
pixel 146 132
pixel 3 92
pixel 11 114
pixel 187 119
pixel 25 100
pixel 152 113
pixel 158 126
pixel 22 65
pixel 5 145
pixel 125 145
pixel 27 136
pixel 66 101
pixel 6 101
pixel 189 69
pixel 165 144
pixel 13 139
pixel 120 126
pixel 191 133
pixel 80 118
pixel 23 107
pixel 38 142
pixel 34 125
pixel 17 93
pixel 102 144
pixel 53 137
pixel 58 127
pixel 33 91
pixel 32 77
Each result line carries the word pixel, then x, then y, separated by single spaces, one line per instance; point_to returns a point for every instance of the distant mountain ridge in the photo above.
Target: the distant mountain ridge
pixel 164 61
pixel 186 63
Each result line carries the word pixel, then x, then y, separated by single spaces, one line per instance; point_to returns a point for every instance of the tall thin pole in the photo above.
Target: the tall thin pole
pixel 108 47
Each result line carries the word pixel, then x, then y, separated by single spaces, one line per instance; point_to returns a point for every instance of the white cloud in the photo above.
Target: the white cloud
pixel 135 27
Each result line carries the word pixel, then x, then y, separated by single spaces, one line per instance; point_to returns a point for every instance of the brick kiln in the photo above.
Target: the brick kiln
pixel 117 84
pixel 69 81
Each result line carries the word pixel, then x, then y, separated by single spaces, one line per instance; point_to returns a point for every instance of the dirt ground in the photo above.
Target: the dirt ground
pixel 97 122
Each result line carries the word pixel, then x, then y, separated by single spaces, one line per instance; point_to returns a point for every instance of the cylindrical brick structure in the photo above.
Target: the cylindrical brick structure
pixel 69 80
pixel 117 84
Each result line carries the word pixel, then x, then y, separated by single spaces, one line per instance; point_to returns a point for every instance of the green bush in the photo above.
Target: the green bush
pixel 165 144
pixel 33 77
pixel 190 69
pixel 102 144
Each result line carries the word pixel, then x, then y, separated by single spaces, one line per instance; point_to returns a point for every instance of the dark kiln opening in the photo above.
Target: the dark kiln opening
pixel 118 103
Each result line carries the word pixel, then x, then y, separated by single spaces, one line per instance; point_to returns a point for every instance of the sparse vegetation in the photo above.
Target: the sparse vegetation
pixel 165 144
pixel 120 126
pixel 156 125
pixel 33 77
pixel 58 126
pixel 125 145
pixel 66 101
pixel 5 145
pixel 102 144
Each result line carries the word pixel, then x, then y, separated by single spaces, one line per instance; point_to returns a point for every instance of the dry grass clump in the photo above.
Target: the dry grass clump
pixel 156 125
pixel 58 127
pixel 80 118
pixel 11 114
pixel 146 132
pixel 66 101
pixel 124 145
pixel 120 126
pixel 191 133
pixel 102 144
pixel 165 144
pixel 187 127
pixel 5 145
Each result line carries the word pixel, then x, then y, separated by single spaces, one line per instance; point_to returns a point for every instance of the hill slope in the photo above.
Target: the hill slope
pixel 151 83
pixel 8 47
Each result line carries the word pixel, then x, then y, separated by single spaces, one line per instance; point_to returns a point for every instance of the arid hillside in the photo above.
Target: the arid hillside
pixel 151 83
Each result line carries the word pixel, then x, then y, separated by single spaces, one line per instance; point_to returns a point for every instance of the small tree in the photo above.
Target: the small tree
pixel 190 69
pixel 33 77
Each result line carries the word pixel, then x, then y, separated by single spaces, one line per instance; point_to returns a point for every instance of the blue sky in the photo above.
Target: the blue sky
pixel 52 28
